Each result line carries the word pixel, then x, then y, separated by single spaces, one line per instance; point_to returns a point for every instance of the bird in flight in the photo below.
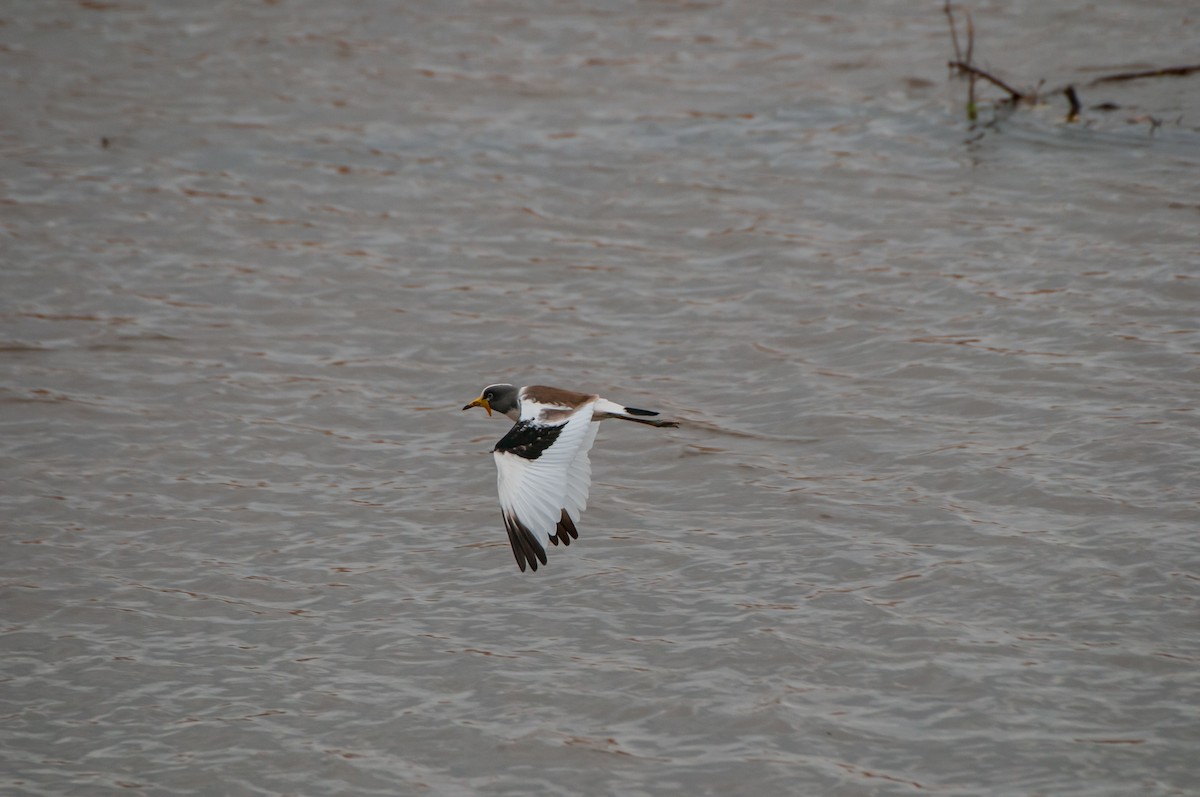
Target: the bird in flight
pixel 542 468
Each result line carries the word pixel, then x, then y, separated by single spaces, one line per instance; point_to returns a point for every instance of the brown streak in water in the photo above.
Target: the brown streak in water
pixel 827 372
pixel 609 745
pixel 699 449
pixel 835 591
pixel 609 269
pixel 488 653
pixel 169 301
pixel 868 774
pixel 782 355
pixel 195 192
pixel 67 317
pixel 970 343
pixel 17 346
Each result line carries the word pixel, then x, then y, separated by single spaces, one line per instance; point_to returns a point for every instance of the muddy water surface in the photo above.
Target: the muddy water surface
pixel 930 523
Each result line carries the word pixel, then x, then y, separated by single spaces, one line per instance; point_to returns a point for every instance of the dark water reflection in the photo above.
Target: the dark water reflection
pixel 929 524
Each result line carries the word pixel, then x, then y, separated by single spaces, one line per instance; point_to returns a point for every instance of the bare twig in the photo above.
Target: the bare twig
pixel 964 64
pixel 1014 94
pixel 1166 71
pixel 970 36
pixel 953 33
pixel 972 108
pixel 1119 77
pixel 1073 98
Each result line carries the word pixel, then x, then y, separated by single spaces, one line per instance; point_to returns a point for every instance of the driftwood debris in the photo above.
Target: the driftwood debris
pixel 963 64
pixel 1166 71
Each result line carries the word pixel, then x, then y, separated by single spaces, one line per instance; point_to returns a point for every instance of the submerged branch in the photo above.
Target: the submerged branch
pixel 1073 98
pixel 963 66
pixel 1166 71
pixel 953 32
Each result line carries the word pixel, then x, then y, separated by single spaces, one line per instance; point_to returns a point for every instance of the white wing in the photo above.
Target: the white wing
pixel 537 470
pixel 579 476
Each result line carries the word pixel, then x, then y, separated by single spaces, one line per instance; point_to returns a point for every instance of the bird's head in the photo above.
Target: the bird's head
pixel 501 398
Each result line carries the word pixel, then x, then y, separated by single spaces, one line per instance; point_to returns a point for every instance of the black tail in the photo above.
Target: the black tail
pixel 636 411
pixel 661 424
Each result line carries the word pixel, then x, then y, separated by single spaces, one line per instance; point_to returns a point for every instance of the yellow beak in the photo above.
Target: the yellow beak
pixel 480 402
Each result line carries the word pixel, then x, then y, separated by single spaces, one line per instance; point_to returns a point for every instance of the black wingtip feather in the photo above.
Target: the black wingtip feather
pixel 525 546
pixel 565 530
pixel 515 542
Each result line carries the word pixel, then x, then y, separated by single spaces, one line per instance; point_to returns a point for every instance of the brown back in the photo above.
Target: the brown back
pixel 557 396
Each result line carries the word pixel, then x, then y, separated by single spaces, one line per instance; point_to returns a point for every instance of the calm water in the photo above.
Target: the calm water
pixel 930 523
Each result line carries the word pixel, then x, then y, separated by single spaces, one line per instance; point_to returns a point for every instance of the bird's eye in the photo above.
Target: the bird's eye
pixel 489 395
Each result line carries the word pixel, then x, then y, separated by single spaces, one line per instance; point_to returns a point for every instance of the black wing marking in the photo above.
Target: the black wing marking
pixel 529 440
